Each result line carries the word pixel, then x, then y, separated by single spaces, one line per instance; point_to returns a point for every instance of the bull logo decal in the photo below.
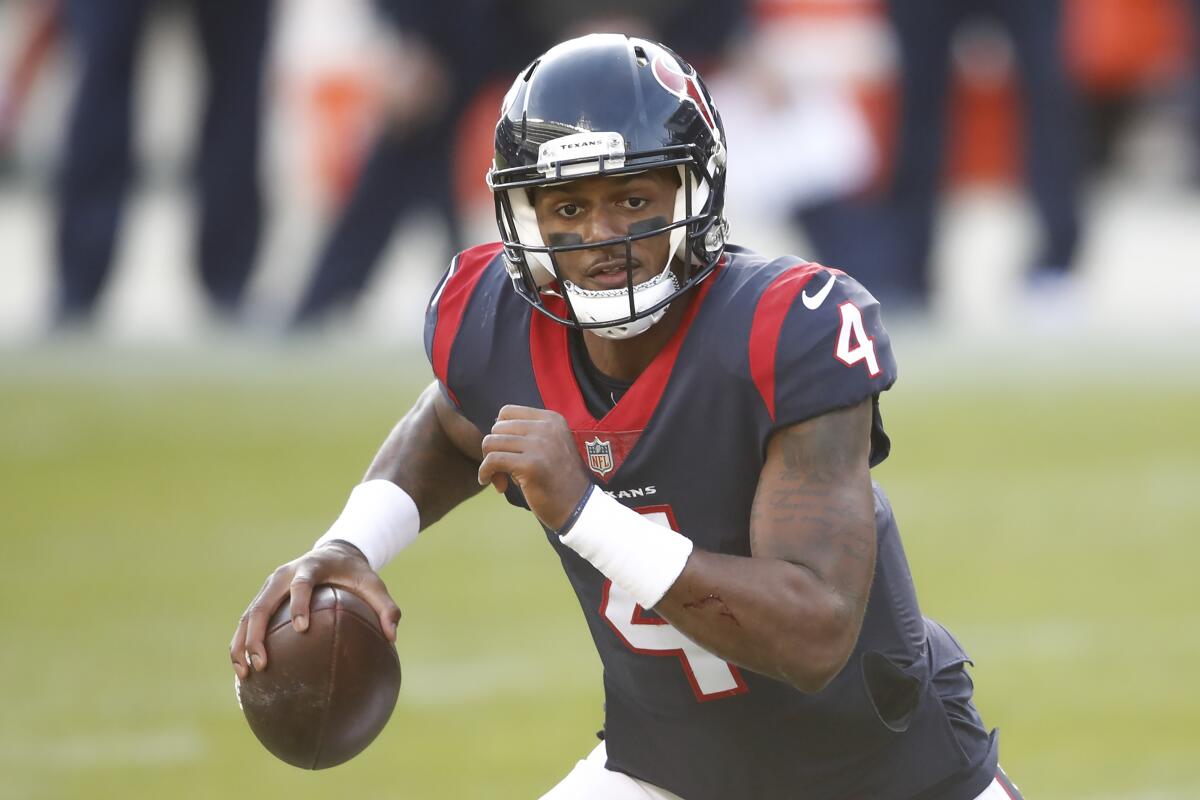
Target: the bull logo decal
pixel 672 78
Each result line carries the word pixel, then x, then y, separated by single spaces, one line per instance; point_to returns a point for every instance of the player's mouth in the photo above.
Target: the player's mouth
pixel 612 274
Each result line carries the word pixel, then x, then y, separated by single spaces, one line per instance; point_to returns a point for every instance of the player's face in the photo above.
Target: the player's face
pixel 599 208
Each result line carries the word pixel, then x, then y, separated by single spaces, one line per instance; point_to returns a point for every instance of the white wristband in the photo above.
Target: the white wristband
pixel 641 556
pixel 380 519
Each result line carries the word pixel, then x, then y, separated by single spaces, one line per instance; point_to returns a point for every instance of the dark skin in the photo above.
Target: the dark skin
pixel 792 610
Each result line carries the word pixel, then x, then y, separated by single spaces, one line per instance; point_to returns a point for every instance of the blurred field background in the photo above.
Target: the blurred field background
pixel 155 466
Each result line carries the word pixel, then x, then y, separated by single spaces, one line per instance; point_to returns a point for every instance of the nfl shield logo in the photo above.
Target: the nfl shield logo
pixel 599 456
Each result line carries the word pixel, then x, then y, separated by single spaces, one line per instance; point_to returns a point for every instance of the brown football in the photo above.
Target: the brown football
pixel 326 693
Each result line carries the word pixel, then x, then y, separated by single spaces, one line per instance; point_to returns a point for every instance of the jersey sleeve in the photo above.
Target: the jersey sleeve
pixel 818 344
pixel 446 312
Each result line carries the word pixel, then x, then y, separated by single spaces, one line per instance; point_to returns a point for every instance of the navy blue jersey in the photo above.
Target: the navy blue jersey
pixel 763 345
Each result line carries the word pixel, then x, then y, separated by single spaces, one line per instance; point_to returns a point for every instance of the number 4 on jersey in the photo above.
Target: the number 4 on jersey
pixel 853 344
pixel 711 677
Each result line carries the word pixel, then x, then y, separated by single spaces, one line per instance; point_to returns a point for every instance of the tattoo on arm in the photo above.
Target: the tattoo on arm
pixel 819 493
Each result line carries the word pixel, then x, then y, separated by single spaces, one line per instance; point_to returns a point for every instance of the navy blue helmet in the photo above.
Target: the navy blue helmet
pixel 609 104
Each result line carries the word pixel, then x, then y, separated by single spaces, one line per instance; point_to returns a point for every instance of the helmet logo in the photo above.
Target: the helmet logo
pixel 584 153
pixel 672 78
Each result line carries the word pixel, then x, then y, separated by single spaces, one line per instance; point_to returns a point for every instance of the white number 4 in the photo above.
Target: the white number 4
pixel 711 678
pixel 853 344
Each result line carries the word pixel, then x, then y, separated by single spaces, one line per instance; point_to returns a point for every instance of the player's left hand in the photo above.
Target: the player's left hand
pixel 536 448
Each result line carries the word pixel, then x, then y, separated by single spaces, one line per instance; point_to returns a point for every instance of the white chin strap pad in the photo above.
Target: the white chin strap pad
pixel 613 304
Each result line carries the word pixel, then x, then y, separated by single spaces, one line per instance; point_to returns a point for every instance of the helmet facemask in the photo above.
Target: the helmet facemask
pixel 697 234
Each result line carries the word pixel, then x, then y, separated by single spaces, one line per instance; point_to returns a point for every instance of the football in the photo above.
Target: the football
pixel 326 693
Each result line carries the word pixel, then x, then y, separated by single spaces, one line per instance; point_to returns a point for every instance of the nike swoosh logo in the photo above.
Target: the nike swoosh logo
pixel 813 302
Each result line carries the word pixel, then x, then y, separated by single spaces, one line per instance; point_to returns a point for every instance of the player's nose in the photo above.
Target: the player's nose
pixel 603 224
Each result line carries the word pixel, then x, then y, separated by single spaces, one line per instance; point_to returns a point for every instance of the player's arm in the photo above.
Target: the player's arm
pixel 432 455
pixel 792 610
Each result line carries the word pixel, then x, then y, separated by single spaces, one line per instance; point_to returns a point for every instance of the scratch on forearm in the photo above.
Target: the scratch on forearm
pixel 712 599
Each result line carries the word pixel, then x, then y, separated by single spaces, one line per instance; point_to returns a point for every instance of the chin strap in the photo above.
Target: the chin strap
pixel 610 304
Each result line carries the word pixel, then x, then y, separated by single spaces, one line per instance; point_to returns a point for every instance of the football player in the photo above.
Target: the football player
pixel 693 425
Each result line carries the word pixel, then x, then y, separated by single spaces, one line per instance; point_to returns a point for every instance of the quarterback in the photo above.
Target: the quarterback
pixel 693 425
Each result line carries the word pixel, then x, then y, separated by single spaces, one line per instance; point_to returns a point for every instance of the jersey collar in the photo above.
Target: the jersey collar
pixel 549 351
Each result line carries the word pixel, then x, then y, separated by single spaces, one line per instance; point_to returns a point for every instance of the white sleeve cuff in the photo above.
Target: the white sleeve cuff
pixel 380 519
pixel 641 556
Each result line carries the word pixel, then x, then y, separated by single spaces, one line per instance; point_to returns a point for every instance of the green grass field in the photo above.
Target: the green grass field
pixel 1051 523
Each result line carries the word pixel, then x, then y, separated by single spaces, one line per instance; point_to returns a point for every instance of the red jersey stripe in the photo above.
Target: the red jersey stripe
pixel 768 323
pixel 550 352
pixel 452 305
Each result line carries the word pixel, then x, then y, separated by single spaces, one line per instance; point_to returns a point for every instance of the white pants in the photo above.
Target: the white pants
pixel 591 781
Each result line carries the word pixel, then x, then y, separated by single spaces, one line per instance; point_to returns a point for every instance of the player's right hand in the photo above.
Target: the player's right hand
pixel 335 563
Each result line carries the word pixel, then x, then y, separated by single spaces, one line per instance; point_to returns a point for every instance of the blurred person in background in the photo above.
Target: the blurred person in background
pixel 35 42
pixel 1135 61
pixel 446 53
pixel 799 76
pixel 98 161
pixel 439 65
pixel 1196 91
pixel 925 31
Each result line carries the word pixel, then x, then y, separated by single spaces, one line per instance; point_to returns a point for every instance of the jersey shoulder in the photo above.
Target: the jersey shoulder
pixel 809 338
pixel 470 285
